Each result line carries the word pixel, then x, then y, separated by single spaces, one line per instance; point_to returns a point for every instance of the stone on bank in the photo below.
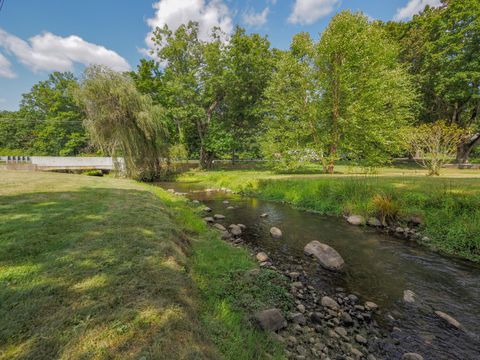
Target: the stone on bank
pixel 262 257
pixel 270 320
pixel 356 220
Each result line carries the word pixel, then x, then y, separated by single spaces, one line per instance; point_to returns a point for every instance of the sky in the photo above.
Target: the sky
pixel 38 37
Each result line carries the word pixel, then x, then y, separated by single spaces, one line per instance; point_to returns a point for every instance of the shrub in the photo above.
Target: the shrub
pixel 93 173
pixel 433 145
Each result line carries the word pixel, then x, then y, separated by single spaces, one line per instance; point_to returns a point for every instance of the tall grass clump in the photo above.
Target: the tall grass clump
pixel 386 208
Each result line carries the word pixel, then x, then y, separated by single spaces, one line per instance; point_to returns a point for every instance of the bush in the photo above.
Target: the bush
pixel 93 173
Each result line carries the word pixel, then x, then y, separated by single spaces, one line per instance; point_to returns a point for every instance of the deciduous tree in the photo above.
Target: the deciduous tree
pixel 292 101
pixel 366 96
pixel 124 122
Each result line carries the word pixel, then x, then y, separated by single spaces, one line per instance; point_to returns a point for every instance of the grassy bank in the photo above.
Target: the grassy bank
pixel 103 268
pixel 449 206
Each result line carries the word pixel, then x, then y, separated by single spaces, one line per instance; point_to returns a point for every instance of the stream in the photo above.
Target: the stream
pixel 379 268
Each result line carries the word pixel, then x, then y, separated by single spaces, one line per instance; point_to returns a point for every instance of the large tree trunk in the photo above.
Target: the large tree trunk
pixel 206 158
pixel 464 149
pixel 333 154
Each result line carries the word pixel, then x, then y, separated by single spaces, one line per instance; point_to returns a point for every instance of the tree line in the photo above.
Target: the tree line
pixel 365 91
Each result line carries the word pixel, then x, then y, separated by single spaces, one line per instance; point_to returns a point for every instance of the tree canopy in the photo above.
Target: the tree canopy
pixel 49 122
pixel 441 48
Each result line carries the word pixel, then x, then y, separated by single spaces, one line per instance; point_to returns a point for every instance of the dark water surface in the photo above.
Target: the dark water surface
pixel 379 268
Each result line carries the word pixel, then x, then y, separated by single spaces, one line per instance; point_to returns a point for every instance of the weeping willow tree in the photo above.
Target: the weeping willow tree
pixel 123 122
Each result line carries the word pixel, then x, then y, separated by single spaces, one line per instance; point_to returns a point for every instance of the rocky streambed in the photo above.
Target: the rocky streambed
pixel 356 294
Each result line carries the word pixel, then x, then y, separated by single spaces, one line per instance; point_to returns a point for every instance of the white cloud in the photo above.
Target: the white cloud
pixel 6 68
pixel 414 7
pixel 177 12
pixel 49 52
pixel 252 18
pixel 306 12
pixel 2 100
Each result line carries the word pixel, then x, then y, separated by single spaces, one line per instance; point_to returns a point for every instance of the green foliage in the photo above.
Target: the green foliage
pixel 93 173
pixel 16 134
pixel 344 97
pixel 125 123
pixel 440 48
pixel 366 95
pixel 434 145
pixel 212 90
pixel 148 79
pixel 193 82
pixel 249 65
pixel 49 121
pixel 291 138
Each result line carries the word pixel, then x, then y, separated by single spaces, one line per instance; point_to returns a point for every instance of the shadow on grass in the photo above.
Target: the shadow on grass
pixel 95 273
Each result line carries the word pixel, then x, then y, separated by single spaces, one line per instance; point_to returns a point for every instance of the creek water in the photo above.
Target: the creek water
pixel 378 268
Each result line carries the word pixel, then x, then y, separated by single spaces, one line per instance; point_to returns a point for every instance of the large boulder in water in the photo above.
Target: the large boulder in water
pixel 449 319
pixel 235 230
pixel 328 257
pixel 409 296
pixel 276 232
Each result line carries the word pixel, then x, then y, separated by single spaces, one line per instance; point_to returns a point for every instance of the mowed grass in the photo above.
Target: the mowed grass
pixel 449 205
pixel 104 268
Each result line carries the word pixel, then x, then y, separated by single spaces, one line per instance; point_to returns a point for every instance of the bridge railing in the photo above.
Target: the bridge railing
pixel 11 159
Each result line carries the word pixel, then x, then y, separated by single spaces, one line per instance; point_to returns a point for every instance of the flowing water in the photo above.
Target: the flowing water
pixel 379 268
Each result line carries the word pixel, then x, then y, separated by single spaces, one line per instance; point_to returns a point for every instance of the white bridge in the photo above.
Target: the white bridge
pixel 61 163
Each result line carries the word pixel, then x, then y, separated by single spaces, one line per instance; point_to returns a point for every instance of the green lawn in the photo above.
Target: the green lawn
pixel 104 268
pixel 449 205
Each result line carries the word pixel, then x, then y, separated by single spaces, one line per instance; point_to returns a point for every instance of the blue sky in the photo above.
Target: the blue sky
pixel 41 36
